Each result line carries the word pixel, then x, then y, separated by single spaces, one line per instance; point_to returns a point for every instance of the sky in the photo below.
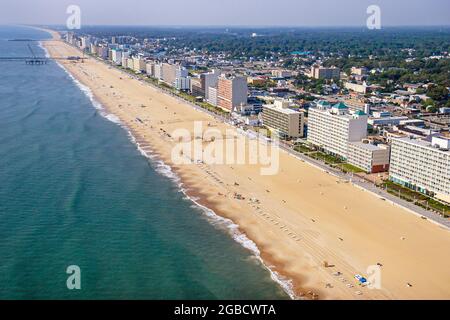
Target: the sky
pixel 227 12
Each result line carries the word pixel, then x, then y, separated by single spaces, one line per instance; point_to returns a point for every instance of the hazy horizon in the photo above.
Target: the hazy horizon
pixel 232 13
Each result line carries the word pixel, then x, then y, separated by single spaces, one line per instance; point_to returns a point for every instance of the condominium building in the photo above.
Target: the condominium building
pixel 125 56
pixel 85 42
pixel 212 96
pixel 158 71
pixel 200 86
pixel 318 72
pixel 130 63
pixel 182 83
pixel 332 128
pixel 169 73
pixel 139 64
pixel 210 79
pixel 150 69
pixel 197 88
pixel 102 52
pixel 287 122
pixel 369 157
pixel 116 56
pixel 422 165
pixel 231 92
pixel 93 49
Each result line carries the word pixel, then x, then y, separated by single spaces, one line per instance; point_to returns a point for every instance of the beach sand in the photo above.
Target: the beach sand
pixel 304 216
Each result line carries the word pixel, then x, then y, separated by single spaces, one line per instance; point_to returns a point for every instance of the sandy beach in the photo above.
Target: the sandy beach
pixel 303 215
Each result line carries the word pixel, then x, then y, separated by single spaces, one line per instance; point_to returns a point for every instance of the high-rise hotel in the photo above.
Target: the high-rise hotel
pixel 422 165
pixel 231 92
pixel 332 128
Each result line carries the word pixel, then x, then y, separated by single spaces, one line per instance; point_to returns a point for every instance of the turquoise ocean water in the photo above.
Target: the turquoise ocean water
pixel 75 190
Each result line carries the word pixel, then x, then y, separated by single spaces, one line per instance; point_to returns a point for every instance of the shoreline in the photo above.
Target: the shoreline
pixel 208 210
pixel 191 194
pixel 271 254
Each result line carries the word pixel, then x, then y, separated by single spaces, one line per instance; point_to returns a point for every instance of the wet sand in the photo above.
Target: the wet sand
pixel 304 216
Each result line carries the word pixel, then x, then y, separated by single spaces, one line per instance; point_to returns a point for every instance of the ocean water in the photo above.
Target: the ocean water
pixel 76 190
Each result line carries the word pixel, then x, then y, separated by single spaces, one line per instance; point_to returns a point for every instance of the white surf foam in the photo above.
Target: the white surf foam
pixel 88 93
pixel 219 221
pixel 243 240
pixel 47 54
pixel 165 170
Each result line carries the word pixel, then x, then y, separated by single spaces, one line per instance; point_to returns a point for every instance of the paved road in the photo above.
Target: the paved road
pixel 368 186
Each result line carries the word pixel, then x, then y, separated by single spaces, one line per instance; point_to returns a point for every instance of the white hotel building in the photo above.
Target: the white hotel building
pixel 422 165
pixel 332 128
pixel 116 56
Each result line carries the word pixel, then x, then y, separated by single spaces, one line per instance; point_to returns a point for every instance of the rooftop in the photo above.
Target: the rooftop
pixel 426 143
pixel 340 106
pixel 282 110
pixel 367 146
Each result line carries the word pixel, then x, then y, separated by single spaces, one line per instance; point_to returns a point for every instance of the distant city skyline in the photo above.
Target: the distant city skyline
pixel 309 13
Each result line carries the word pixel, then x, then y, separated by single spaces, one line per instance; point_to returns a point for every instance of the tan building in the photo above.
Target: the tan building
pixel 359 71
pixel 169 73
pixel 130 63
pixel 255 81
pixel 231 92
pixel 139 64
pixel 318 72
pixel 150 69
pixel 278 117
pixel 356 87
pixel 281 73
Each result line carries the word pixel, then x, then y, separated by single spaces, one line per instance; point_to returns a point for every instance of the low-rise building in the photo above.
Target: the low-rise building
pixel 281 73
pixel 386 121
pixel 356 87
pixel 359 71
pixel 369 157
